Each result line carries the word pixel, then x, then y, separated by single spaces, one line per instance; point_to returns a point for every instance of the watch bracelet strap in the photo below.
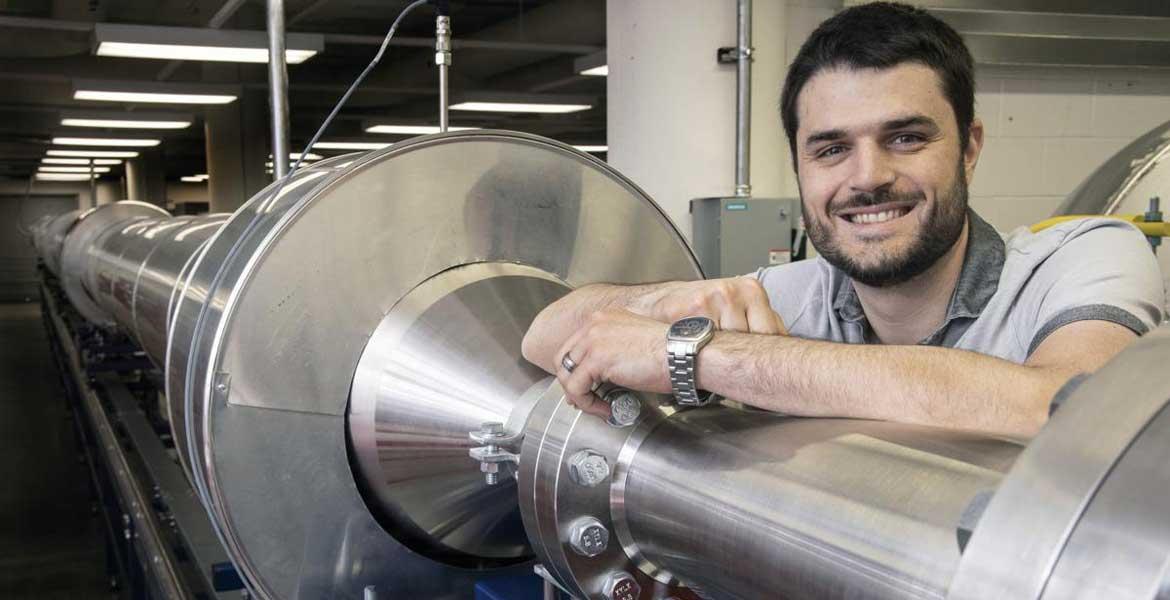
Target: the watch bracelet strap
pixel 682 380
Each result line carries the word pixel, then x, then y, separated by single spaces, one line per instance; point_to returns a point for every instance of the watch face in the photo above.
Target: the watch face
pixel 691 328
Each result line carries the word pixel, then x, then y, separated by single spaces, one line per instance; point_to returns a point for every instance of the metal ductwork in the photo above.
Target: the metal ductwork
pixel 333 348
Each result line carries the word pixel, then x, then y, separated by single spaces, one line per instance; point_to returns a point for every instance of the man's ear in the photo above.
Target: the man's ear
pixel 974 147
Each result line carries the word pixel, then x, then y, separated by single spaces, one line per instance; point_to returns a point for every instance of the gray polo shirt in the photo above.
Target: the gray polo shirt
pixel 1012 291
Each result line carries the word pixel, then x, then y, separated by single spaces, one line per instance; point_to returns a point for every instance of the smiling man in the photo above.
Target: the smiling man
pixel 916 310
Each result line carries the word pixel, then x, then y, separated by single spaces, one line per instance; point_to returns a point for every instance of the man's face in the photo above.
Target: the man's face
pixel 883 180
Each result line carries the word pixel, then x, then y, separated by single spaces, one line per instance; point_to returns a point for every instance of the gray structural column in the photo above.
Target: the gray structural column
pixel 146 178
pixel 671 106
pixel 237 148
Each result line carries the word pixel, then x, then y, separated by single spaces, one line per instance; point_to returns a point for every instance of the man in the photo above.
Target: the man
pixel 917 310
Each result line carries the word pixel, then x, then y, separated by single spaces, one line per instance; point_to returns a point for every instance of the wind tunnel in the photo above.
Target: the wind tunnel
pixel 338 350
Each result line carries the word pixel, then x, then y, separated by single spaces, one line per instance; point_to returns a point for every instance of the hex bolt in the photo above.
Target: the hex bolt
pixel 491 470
pixel 588 537
pixel 621 586
pixel 588 468
pixel 624 408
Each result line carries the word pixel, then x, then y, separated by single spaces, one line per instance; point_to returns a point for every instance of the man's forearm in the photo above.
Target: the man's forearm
pixel 562 318
pixel 911 384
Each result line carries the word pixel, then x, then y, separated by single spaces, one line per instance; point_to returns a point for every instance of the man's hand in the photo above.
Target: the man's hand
pixel 614 346
pixel 733 303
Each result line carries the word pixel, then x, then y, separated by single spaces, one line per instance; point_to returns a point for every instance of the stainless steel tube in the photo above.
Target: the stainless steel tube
pixel 132 270
pixel 743 100
pixel 741 504
pixel 278 87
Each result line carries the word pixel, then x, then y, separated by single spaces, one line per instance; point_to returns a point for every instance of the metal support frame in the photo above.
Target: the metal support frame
pixel 278 88
pixel 143 494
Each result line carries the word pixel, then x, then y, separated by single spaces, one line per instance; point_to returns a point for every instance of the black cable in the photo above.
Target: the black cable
pixel 360 78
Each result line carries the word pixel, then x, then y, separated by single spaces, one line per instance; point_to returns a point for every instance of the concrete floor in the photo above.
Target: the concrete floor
pixel 50 542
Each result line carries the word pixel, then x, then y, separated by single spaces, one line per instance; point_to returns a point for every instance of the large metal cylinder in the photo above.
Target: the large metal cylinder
pixel 882 522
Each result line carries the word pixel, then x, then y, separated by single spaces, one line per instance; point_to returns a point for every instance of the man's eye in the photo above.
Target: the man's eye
pixel 830 151
pixel 906 138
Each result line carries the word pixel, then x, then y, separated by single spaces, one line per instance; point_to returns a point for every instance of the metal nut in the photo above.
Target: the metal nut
pixel 588 537
pixel 624 408
pixel 588 468
pixel 621 586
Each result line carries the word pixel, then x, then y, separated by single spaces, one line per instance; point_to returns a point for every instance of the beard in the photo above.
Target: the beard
pixel 941 228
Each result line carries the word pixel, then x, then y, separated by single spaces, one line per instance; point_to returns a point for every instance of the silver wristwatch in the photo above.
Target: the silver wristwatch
pixel 684 339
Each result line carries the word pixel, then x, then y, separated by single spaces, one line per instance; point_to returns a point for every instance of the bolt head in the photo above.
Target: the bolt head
pixel 624 407
pixel 588 468
pixel 621 586
pixel 588 537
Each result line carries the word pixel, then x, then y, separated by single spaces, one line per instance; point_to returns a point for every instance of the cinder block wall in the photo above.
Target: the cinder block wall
pixel 1048 129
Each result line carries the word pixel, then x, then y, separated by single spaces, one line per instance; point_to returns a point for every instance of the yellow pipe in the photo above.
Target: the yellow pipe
pixel 1153 229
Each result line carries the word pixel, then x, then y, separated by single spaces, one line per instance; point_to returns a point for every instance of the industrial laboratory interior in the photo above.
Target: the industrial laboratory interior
pixel 584 299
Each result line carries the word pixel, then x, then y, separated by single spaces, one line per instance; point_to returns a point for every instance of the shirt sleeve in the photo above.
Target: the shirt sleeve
pixel 795 290
pixel 1103 270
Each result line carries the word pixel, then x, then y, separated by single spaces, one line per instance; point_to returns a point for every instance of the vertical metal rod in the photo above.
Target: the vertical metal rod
pixel 743 100
pixel 550 592
pixel 278 87
pixel 92 184
pixel 443 60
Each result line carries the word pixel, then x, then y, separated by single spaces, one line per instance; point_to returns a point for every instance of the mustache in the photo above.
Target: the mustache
pixel 880 196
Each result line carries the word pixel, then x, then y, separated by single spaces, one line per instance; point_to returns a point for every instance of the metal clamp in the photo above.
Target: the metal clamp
pixel 494 450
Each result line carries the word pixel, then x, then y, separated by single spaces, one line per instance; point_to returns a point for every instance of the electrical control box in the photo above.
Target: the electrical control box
pixel 736 235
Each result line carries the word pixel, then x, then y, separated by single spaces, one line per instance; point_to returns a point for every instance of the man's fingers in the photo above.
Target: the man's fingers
pixel 591 404
pixel 782 329
pixel 733 318
pixel 762 319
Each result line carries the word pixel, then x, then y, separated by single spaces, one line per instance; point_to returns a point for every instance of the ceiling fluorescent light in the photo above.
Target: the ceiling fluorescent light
pixel 79 161
pixel 192 179
pixel 93 153
pixel 520 107
pixel 122 142
pixel 595 64
pixel 188 43
pixel 297 155
pixel 144 97
pixel 124 123
pixel 351 145
pixel 62 177
pixel 58 169
pixel 208 53
pixel 592 148
pixel 153 92
pixel 411 129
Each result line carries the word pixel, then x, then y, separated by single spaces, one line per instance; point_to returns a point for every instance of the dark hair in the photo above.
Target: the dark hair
pixel 879 36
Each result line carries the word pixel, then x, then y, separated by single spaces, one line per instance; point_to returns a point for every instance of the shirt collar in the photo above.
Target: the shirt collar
pixel 978 280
